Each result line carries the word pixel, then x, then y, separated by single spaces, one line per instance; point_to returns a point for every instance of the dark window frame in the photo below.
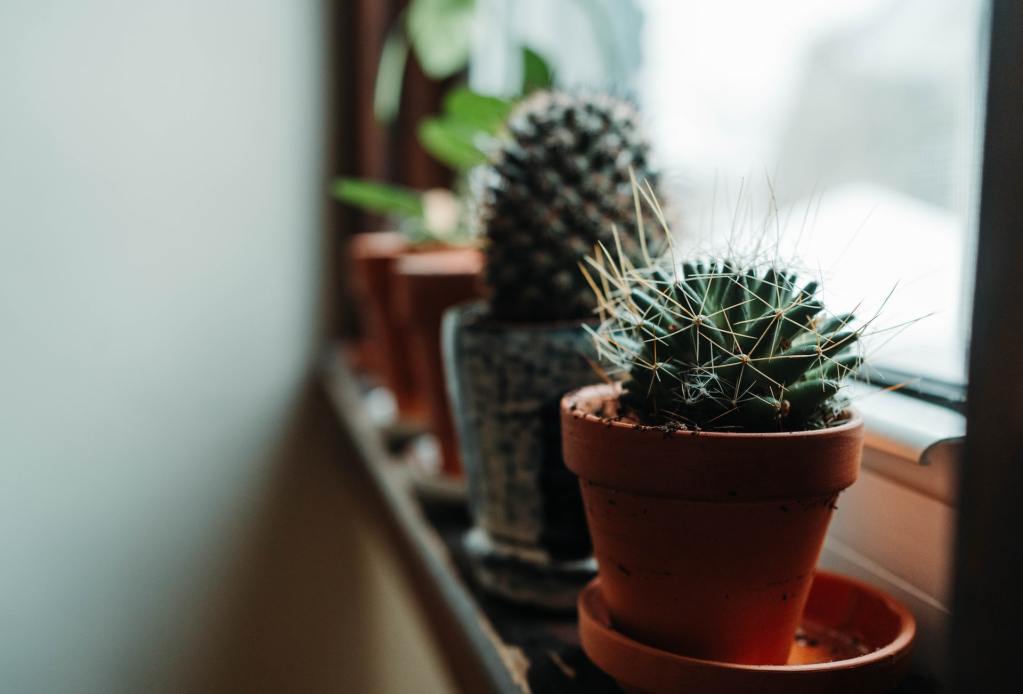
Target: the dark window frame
pixel 987 606
pixel 933 390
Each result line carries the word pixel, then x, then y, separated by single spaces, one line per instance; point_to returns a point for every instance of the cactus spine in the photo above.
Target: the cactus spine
pixel 718 345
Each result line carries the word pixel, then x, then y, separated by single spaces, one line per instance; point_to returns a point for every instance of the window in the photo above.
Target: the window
pixel 862 117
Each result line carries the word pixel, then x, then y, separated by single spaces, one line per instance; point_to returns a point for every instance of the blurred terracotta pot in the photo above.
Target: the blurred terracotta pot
pixel 374 257
pixel 428 284
pixel 706 542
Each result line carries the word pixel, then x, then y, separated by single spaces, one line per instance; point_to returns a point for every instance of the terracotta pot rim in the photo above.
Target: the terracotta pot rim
pixel 369 245
pixel 414 249
pixel 391 243
pixel 706 466
pixel 453 261
pixel 603 392
pixel 592 626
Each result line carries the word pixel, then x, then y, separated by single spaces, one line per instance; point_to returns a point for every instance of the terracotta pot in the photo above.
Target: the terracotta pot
pixel 706 542
pixel 506 381
pixel 384 349
pixel 428 284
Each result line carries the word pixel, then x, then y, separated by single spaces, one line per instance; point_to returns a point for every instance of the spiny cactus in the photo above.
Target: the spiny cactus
pixel 722 346
pixel 558 183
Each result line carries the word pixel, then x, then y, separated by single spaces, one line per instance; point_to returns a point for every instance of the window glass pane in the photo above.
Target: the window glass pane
pixel 864 114
pixel 859 120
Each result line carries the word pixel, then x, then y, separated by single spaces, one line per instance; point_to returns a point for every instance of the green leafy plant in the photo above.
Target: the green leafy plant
pixel 429 217
pixel 536 73
pixel 459 138
pixel 721 345
pixel 439 33
pixel 381 198
pixel 558 184
pixel 456 138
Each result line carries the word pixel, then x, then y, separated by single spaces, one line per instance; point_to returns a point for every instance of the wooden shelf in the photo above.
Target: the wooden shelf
pixel 489 645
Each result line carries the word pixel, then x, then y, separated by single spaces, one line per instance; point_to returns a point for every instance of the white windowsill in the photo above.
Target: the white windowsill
pixel 895 527
pixel 914 443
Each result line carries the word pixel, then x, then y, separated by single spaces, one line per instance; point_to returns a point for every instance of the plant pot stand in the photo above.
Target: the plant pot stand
pixel 526 575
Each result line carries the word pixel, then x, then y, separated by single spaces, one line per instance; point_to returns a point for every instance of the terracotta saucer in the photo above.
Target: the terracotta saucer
pixel 854 638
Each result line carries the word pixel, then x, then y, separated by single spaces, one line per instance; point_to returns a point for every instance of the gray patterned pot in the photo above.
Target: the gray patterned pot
pixel 505 381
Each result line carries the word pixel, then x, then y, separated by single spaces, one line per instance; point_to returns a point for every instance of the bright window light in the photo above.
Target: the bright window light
pixel 866 112
pixel 864 117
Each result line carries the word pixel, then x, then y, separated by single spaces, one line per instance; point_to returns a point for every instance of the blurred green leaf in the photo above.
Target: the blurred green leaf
pixel 451 142
pixel 441 34
pixel 390 73
pixel 381 198
pixel 536 73
pixel 486 113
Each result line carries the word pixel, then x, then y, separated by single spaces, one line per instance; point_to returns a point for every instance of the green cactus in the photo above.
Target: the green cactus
pixel 559 182
pixel 718 345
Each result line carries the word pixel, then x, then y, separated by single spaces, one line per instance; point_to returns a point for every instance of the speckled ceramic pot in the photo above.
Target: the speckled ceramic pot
pixel 530 543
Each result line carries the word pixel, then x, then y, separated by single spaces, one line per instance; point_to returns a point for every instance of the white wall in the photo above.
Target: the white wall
pixel 160 200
